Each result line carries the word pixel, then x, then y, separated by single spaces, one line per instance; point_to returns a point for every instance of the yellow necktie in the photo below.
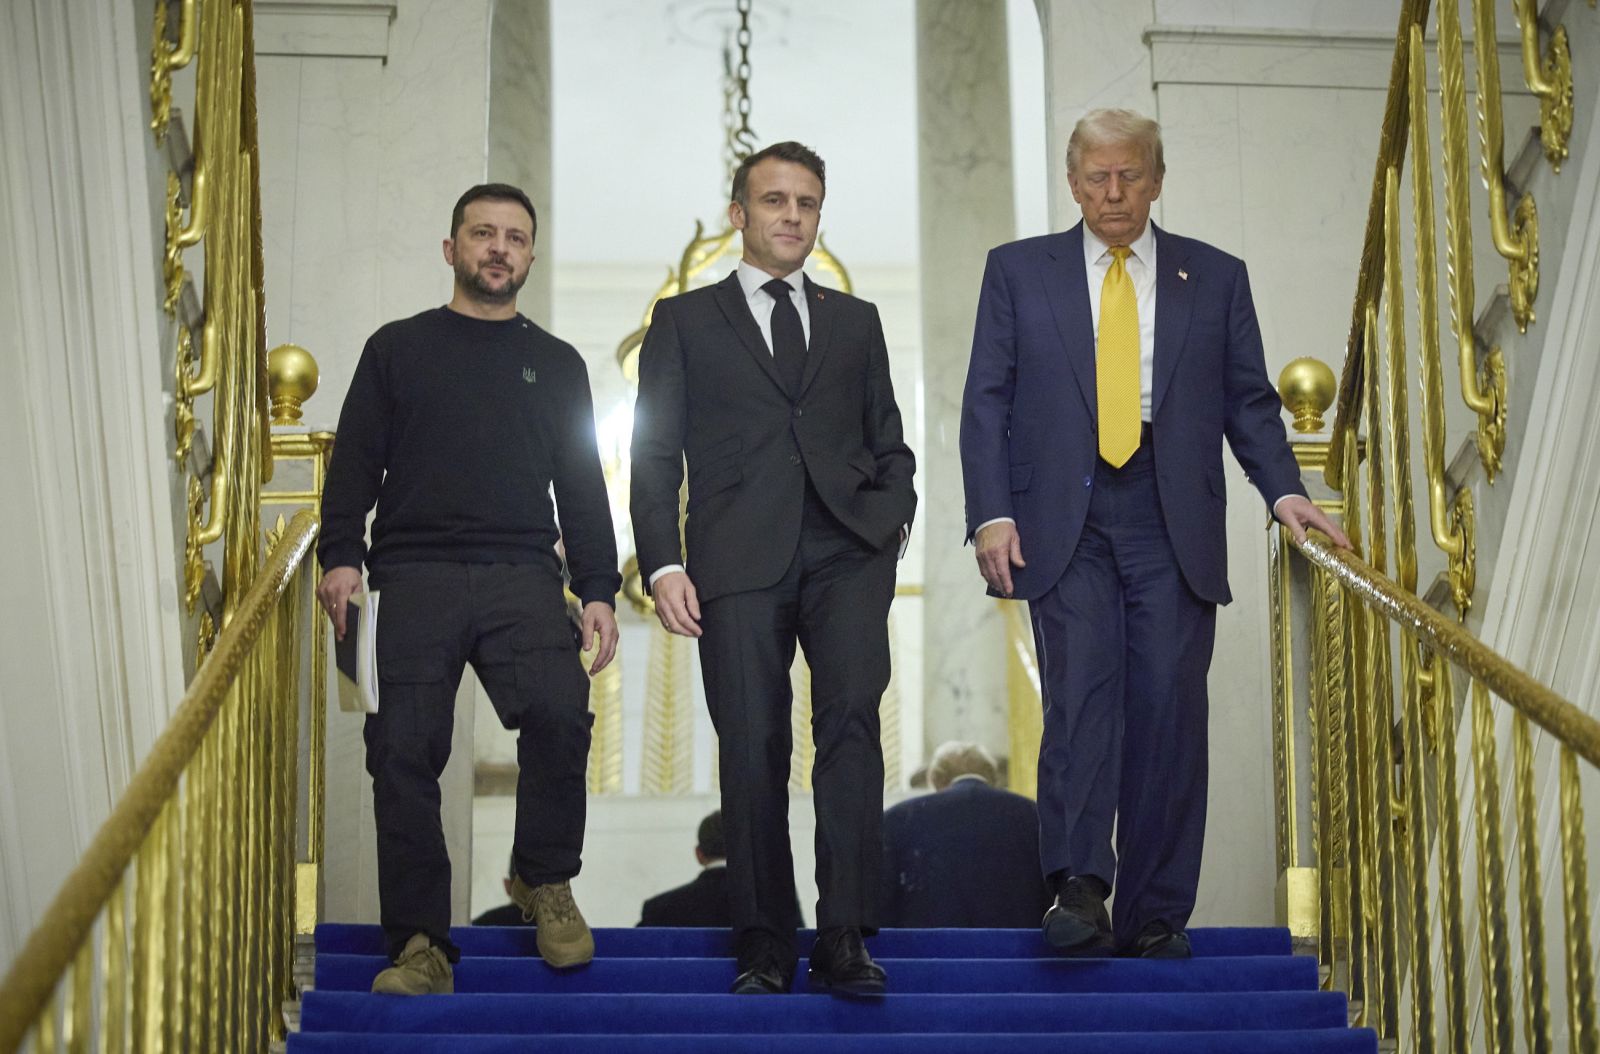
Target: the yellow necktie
pixel 1116 368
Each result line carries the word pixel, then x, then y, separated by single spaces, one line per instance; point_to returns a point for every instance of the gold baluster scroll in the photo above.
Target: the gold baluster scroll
pixel 1483 388
pixel 1448 525
pixel 1516 237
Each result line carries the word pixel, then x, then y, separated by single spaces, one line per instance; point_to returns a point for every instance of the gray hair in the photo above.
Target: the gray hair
pixel 1114 127
pixel 956 759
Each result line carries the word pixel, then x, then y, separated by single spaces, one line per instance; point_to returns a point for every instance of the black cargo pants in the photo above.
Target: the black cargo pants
pixel 510 621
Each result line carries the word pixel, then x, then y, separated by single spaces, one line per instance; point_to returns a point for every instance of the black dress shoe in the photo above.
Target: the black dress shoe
pixel 840 964
pixel 1159 941
pixel 763 979
pixel 1077 923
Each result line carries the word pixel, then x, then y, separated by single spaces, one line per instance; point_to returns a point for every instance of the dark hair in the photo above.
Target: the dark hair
pixel 493 192
pixel 710 839
pixel 789 150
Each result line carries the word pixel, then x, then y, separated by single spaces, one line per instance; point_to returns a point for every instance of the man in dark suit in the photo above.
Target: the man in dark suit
pixel 703 902
pixel 778 394
pixel 965 855
pixel 1108 364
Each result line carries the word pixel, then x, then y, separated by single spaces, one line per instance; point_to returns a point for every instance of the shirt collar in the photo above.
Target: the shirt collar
pixel 1144 246
pixel 752 278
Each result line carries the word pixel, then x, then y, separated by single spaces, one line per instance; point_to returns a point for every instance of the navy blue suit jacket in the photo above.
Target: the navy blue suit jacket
pixel 964 856
pixel 1028 439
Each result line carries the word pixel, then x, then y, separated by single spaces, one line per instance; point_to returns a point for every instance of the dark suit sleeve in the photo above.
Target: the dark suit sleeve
pixel 659 425
pixel 986 403
pixel 584 509
pixel 1253 423
pixel 356 471
pixel 881 424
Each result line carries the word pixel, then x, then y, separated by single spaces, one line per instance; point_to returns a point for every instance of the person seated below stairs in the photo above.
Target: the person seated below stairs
pixel 966 855
pixel 704 901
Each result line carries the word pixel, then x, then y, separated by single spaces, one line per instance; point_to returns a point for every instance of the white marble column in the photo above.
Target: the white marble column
pixel 965 186
pixel 519 128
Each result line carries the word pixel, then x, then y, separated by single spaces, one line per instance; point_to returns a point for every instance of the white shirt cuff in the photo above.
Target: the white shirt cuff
pixel 666 570
pixel 997 519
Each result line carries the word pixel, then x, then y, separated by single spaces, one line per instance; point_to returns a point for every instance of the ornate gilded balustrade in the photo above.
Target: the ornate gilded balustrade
pixel 175 930
pixel 1403 849
pixel 1411 858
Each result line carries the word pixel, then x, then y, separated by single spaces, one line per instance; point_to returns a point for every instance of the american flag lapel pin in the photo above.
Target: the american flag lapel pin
pixel 1183 274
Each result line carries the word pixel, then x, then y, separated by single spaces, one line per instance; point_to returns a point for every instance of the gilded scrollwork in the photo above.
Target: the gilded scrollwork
pixel 1462 564
pixel 194 567
pixel 205 639
pixel 1524 265
pixel 183 420
pixel 1491 434
pixel 160 76
pixel 172 271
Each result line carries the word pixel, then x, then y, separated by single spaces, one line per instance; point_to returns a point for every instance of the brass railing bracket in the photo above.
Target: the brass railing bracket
pixel 1549 78
pixel 166 58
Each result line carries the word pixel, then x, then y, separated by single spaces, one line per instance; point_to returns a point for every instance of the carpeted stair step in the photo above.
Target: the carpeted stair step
pixel 1308 1041
pixel 623 1014
pixel 523 974
pixel 345 939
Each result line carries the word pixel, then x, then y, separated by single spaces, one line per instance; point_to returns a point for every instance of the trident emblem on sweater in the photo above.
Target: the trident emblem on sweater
pixel 528 374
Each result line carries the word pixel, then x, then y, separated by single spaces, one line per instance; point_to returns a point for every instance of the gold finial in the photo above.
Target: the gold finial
pixel 291 380
pixel 1307 388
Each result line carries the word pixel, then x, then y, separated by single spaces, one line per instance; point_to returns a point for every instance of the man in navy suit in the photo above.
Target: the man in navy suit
pixel 703 902
pixel 965 855
pixel 1108 364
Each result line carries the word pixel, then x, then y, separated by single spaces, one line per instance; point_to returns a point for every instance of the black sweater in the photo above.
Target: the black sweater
pixel 457 427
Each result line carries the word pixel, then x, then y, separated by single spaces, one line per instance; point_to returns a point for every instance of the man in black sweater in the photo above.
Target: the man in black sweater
pixel 457 424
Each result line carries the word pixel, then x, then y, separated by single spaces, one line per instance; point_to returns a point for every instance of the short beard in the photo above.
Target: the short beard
pixel 473 285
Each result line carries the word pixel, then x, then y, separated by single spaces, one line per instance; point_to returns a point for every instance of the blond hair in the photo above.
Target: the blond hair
pixel 1114 127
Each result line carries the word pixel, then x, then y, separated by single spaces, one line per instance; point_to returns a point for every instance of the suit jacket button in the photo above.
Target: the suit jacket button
pixel 794 459
pixel 798 412
pixel 1087 480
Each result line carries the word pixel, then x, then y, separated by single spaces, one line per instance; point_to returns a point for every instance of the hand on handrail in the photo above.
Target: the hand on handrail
pixel 1298 513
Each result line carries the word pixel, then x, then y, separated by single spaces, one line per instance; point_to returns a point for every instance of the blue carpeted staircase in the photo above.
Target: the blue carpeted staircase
pixel 951 990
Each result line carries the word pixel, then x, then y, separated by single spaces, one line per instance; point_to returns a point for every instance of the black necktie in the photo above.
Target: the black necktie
pixel 788 338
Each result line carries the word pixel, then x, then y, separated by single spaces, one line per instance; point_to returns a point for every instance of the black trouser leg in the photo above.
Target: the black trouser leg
pixel 845 593
pixel 527 659
pixel 746 650
pixel 423 622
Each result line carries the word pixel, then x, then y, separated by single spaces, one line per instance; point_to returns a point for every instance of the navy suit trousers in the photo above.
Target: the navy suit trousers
pixel 1124 646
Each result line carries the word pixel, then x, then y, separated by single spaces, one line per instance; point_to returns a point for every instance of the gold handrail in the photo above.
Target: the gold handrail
pixel 1544 707
pixel 65 929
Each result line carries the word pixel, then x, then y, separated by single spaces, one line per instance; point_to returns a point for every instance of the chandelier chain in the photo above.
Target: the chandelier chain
pixel 744 136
